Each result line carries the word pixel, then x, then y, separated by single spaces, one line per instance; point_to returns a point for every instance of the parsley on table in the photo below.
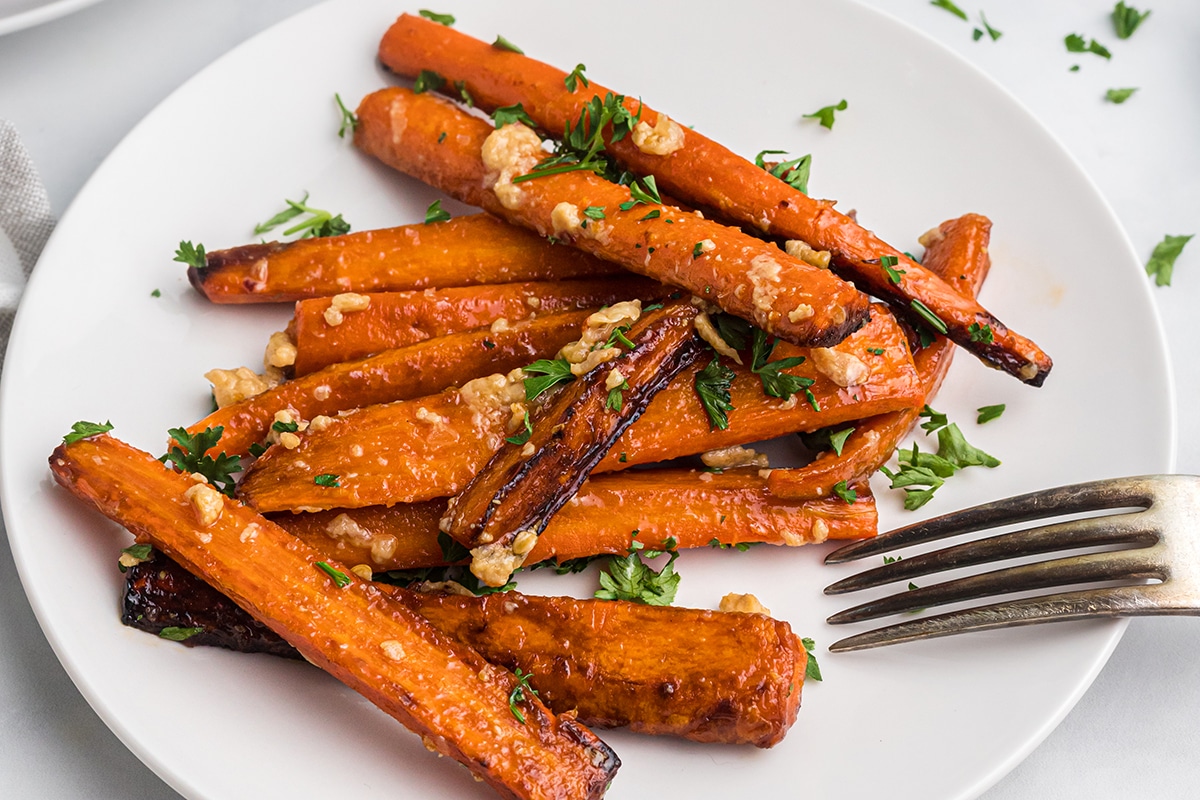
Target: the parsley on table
pixel 776 382
pixel 505 44
pixel 1162 260
pixel 949 6
pixel 936 419
pixel 629 578
pixel 981 333
pixel 922 474
pixel 428 81
pixel 1126 19
pixel 340 578
pixel 517 695
pixel 435 213
pixel 843 491
pixel 444 19
pixel 576 77
pixel 319 224
pixel 327 479
pixel 794 173
pixel 522 436
pixel 349 120
pixel 812 671
pixel 548 373
pixel 992 32
pixel 177 634
pixel 1119 96
pixel 189 454
pixel 1077 44
pixel 507 115
pixel 825 115
pixel 156 293
pixel 712 387
pixel 192 256
pixel 989 413
pixel 83 429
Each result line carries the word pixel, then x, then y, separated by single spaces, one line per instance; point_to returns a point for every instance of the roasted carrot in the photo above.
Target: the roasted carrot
pixel 504 508
pixel 744 275
pixel 706 174
pixel 431 447
pixel 344 625
pixel 395 319
pixel 465 251
pixel 416 370
pixel 733 678
pixel 958 252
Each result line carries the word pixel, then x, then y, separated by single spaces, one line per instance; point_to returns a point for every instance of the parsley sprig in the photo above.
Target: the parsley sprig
pixel 320 222
pixel 776 382
pixel 547 373
pixel 576 77
pixel 83 429
pixel 349 120
pixel 191 255
pixel 582 145
pixel 517 695
pixel 794 173
pixel 1127 19
pixel 189 454
pixel 712 387
pixel 630 578
pixel 922 474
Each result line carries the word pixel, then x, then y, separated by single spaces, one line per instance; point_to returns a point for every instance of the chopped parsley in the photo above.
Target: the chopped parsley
pixel 845 492
pixel 349 121
pixel 517 695
pixel 1077 44
pixel 327 479
pixel 697 249
pixel 989 413
pixel 1162 260
pixel 629 578
pixel 936 419
pixel 134 554
pixel 616 400
pixel 548 373
pixel 428 81
pixel 875 351
pixel 644 194
pixel 523 436
pixel 156 293
pixel 1127 19
pixel 953 9
pixel 981 333
pixel 922 474
pixel 582 144
pixel 319 224
pixel 776 382
pixel 653 213
pixel 712 387
pixel 812 671
pixel 594 212
pixel 618 335
pixel 1119 96
pixel 189 454
pixel 435 213
pixel 84 429
pixel 461 87
pixel 192 256
pixel 837 440
pixel 280 426
pixel 505 44
pixel 576 77
pixel 825 115
pixel 507 115
pixel 794 173
pixel 889 266
pixel 992 32
pixel 176 634
pixel 340 578
pixel 489 344
pixel 931 318
pixel 443 19
pixel 717 544
pixel 441 137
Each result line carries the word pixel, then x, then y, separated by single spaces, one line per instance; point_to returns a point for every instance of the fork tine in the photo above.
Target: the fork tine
pixel 1022 508
pixel 1120 528
pixel 1120 565
pixel 1061 607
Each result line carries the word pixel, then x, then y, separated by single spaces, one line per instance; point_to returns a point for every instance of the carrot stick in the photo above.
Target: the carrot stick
pixel 707 174
pixel 959 253
pixel 465 251
pixel 395 319
pixel 344 625
pixel 416 370
pixel 746 276
pixel 430 447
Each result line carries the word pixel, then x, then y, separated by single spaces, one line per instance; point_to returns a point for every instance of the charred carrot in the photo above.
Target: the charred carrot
pixel 395 319
pixel 431 447
pixel 744 275
pixel 344 625
pixel 420 369
pixel 701 171
pixel 465 251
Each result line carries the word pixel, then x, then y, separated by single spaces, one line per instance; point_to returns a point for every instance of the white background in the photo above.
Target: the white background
pixel 74 87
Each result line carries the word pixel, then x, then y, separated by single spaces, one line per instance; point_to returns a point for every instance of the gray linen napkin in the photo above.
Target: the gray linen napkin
pixel 25 221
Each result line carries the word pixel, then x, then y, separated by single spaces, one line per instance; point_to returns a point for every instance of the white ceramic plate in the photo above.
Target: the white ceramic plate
pixel 925 137
pixel 16 15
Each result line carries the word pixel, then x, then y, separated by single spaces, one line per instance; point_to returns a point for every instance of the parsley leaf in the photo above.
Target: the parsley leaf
pixel 517 695
pixel 428 81
pixel 444 19
pixel 953 9
pixel 989 413
pixel 981 333
pixel 712 386
pixel 176 634
pixel 1076 44
pixel 640 195
pixel 83 429
pixel 629 578
pixel 616 400
pixel 319 224
pixel 1119 96
pixel 549 373
pixel 327 479
pixel 992 32
pixel 349 120
pixel 922 474
pixel 1126 19
pixel 594 212
pixel 435 213
pixel 734 330
pixel 340 578
pixel 523 436
pixel 505 44
pixel 134 554
pixel 844 492
pixel 156 293
pixel 653 213
pixel 775 382
pixel 189 454
pixel 812 671
pixel 582 144
pixel 1162 260
pixel 825 115
pixel 937 420
pixel 889 266
pixel 507 115
pixel 576 77
pixel 794 173
pixel 717 544
pixel 279 426
pixel 192 256
pixel 838 439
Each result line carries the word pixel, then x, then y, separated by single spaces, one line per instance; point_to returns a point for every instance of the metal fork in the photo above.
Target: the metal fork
pixel 1162 542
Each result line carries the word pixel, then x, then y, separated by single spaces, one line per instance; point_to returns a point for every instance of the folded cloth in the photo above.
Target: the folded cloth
pixel 25 224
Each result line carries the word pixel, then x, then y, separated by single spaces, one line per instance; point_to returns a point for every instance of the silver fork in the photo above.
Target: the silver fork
pixel 1162 542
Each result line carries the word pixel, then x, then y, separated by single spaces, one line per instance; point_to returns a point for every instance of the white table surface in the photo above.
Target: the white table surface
pixel 75 86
